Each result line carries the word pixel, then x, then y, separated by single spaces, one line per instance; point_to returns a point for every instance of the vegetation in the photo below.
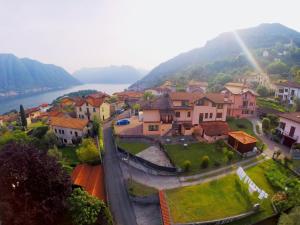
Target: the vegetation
pixel 148 96
pixel 192 157
pixel 139 190
pixel 85 209
pixel 133 147
pixel 266 125
pixel 271 104
pixel 33 169
pixel 262 91
pixel 291 218
pixel 241 124
pixel 88 152
pixel 278 67
pixel 23 117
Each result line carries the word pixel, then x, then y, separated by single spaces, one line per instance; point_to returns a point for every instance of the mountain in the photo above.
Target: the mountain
pixel 23 75
pixel 109 75
pixel 221 53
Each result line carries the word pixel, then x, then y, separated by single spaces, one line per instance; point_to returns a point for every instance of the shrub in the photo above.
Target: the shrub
pixel 266 125
pixel 257 128
pixel 87 152
pixel 230 155
pixel 54 152
pixel 241 126
pixel 187 165
pixel 217 164
pixel 205 161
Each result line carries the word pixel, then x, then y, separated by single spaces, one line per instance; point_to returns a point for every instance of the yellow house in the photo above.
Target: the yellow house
pixel 94 105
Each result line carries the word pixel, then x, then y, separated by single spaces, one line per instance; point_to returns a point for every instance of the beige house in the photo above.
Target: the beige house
pixel 68 130
pixel 94 105
pixel 184 114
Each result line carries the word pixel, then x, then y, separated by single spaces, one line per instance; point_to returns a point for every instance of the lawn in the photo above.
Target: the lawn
pixel 69 155
pixel 271 104
pixel 221 198
pixel 36 124
pixel 194 153
pixel 133 147
pixel 140 190
pixel 241 124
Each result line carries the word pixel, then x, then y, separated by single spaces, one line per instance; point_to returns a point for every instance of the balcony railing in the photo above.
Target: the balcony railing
pixel 287 134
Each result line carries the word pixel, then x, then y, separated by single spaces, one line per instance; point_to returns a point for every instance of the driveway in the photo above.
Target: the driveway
pixel 118 199
pixel 271 145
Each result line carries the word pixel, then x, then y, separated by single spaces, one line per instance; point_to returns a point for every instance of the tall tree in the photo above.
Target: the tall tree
pixel 23 117
pixel 33 186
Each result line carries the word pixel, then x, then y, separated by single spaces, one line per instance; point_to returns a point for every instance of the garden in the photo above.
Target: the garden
pixel 197 157
pixel 133 147
pixel 229 196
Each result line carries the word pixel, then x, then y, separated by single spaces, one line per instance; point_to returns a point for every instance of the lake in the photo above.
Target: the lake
pixel 48 97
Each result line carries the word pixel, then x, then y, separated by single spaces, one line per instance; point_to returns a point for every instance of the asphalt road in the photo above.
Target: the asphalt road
pixel 119 202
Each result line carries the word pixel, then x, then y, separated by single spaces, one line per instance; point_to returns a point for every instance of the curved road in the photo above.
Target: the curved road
pixel 119 202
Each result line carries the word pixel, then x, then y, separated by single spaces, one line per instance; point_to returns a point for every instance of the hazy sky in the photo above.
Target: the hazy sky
pixel 142 33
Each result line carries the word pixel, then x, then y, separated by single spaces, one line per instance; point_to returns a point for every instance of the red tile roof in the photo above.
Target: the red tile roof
pixel 91 179
pixel 215 128
pixel 95 99
pixel 68 122
pixel 166 218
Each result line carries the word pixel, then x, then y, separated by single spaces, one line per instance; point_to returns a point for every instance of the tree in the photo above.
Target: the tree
pixel 148 96
pixel 88 152
pixel 33 186
pixel 187 165
pixel 54 152
pixel 95 125
pixel 262 91
pixel 266 124
pixel 274 120
pixel 23 117
pixel 229 156
pixel 278 67
pixel 86 209
pixel 205 161
pixel 290 219
pixel 136 107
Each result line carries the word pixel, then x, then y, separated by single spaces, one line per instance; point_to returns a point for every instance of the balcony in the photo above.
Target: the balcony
pixel 287 134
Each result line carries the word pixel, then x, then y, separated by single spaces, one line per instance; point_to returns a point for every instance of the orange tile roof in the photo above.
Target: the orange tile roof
pixel 68 122
pixel 242 137
pixel 185 96
pixel 165 214
pixel 214 128
pixel 91 179
pixel 95 99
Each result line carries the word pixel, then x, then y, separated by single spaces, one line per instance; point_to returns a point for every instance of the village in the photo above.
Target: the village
pixel 176 151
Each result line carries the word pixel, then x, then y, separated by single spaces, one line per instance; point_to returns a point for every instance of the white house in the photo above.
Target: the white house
pixel 287 91
pixel 289 128
pixel 68 130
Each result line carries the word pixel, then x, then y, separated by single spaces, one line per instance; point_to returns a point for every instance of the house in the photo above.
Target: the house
pixel 93 106
pixel 32 114
pixel 243 100
pixel 129 97
pixel 166 88
pixel 241 141
pixel 68 130
pixel 287 91
pixel 289 128
pixel 67 101
pixel 44 107
pixel 184 114
pixel 196 86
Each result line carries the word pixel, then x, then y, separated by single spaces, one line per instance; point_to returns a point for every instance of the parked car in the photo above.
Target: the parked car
pixel 120 111
pixel 123 122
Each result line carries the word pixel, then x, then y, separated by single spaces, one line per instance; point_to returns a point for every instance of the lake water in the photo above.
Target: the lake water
pixel 48 97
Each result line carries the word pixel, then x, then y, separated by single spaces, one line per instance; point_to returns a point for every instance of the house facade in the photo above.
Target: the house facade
pixel 289 128
pixel 185 113
pixel 287 92
pixel 196 86
pixel 68 130
pixel 243 100
pixel 93 106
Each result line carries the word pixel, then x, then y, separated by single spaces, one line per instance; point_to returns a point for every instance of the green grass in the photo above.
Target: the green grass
pixel 241 124
pixel 133 147
pixel 140 190
pixel 194 153
pixel 36 124
pixel 69 155
pixel 220 198
pixel 265 103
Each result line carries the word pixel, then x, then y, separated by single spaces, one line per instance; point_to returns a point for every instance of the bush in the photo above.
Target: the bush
pixel 241 126
pixel 54 152
pixel 87 152
pixel 187 165
pixel 39 132
pixel 266 125
pixel 205 161
pixel 257 128
pixel 230 156
pixel 217 164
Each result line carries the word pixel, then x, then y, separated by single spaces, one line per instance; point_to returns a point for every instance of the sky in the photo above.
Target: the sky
pixel 76 34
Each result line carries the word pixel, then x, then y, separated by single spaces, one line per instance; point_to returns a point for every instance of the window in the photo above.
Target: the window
pixel 59 131
pixel 188 114
pixel 210 115
pixel 76 134
pixel 206 115
pixel 55 130
pixel 286 90
pixel 153 127
pixel 293 92
pixel 62 131
pixel 177 114
pixel 71 132
pixel 80 109
pixel 219 115
pixel 94 109
pixel 213 105
pixel 65 140
pixel 219 106
pixel 282 125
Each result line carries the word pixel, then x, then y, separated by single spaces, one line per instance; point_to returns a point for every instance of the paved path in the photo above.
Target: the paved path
pixel 170 182
pixel 271 145
pixel 118 199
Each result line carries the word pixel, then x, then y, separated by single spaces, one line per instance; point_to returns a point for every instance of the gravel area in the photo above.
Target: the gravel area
pixel 155 155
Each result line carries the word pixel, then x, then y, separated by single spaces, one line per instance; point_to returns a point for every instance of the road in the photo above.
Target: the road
pixel 119 202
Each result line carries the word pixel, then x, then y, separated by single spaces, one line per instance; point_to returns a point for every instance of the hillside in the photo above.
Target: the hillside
pixel 23 75
pixel 109 75
pixel 224 54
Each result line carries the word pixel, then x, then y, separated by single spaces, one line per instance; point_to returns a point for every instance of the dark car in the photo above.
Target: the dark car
pixel 123 122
